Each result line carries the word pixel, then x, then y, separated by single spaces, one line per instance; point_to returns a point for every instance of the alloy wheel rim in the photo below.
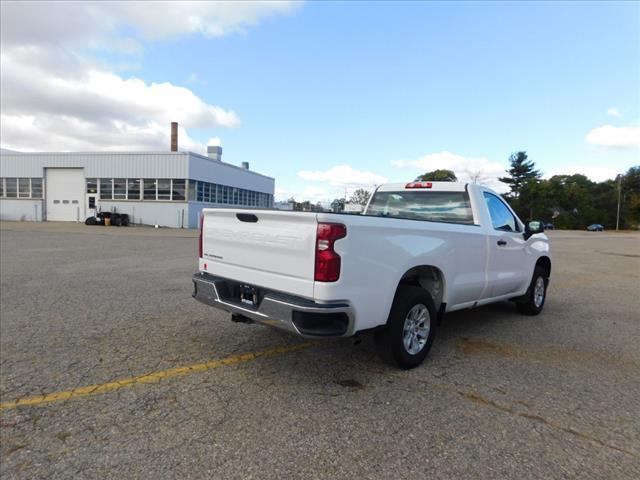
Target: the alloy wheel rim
pixel 538 292
pixel 416 328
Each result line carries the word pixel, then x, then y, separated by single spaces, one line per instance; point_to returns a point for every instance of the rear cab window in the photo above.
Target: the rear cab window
pixel 432 206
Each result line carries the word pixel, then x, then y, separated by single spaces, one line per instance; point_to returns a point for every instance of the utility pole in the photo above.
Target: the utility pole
pixel 618 214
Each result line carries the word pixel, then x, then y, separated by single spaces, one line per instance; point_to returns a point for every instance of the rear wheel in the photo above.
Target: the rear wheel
pixel 532 302
pixel 410 329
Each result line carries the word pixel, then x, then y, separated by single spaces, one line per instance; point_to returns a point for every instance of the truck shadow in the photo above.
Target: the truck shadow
pixel 346 357
pixel 483 320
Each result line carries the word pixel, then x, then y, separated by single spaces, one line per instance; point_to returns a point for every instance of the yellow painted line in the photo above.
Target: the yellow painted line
pixel 149 377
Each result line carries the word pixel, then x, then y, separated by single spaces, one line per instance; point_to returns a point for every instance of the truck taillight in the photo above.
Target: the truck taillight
pixel 327 260
pixel 200 237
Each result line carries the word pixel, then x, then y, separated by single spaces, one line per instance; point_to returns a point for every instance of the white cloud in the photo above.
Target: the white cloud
pixel 614 112
pixel 211 19
pixel 617 137
pixel 314 194
pixel 93 23
pixel 596 174
pixel 91 109
pixel 55 98
pixel 343 176
pixel 58 133
pixel 336 182
pixel 302 193
pixel 480 169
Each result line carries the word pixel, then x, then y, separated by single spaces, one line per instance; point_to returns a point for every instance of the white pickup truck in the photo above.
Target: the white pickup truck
pixel 417 251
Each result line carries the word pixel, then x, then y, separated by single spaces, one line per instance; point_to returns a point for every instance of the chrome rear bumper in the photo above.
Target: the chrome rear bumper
pixel 294 314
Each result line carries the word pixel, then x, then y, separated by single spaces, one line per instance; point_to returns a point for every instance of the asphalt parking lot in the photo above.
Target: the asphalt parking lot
pixel 109 369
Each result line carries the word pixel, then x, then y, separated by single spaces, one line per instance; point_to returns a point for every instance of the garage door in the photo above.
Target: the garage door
pixel 65 194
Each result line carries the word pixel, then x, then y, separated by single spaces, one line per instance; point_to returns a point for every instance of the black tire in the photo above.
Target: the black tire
pixel 390 341
pixel 527 304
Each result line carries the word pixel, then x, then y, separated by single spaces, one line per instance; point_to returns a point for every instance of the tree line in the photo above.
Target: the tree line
pixel 572 201
pixel 567 201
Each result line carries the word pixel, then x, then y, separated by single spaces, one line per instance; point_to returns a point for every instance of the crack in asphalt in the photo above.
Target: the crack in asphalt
pixel 486 402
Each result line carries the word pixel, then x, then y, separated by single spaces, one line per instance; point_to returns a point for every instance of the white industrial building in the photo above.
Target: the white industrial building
pixel 154 188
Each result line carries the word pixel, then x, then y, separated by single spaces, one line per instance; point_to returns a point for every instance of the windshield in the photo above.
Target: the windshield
pixel 453 207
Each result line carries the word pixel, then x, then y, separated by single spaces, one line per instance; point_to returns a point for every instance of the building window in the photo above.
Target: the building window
pixel 92 185
pixel 106 188
pixel 177 189
pixel 11 187
pixel 133 189
pixel 24 187
pixel 200 191
pixel 214 193
pixel 192 190
pixel 36 188
pixel 225 194
pixel 149 188
pixel 164 189
pixel 119 188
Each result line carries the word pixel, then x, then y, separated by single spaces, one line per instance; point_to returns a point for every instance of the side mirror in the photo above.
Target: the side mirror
pixel 533 227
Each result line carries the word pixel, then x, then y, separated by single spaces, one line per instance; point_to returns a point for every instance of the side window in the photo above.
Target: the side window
pixel 501 216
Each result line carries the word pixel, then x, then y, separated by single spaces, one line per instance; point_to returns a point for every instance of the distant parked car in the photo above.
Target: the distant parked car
pixel 595 227
pixel 549 226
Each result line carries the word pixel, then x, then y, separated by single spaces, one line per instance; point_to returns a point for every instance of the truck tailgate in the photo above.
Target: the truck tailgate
pixel 273 249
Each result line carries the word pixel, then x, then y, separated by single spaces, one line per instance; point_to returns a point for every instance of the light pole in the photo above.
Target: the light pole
pixel 619 189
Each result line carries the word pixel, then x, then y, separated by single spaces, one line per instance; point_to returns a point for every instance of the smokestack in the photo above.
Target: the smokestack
pixel 214 152
pixel 245 165
pixel 174 136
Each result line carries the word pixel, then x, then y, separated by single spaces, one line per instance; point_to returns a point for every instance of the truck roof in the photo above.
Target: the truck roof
pixel 424 186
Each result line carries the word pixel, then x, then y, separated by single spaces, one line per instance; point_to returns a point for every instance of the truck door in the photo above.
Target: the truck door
pixel 507 256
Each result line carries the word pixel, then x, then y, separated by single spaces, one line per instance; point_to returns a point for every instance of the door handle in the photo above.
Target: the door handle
pixel 502 243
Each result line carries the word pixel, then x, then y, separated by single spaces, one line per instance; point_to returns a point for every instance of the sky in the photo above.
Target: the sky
pixel 327 97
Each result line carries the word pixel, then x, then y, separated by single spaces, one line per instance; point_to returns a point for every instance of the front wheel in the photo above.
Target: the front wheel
pixel 531 303
pixel 410 329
